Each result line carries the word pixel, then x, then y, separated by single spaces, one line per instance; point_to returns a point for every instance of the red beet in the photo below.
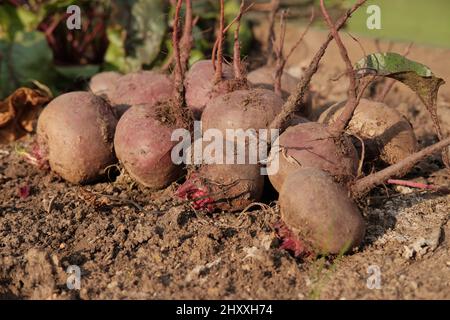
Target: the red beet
pixel 311 145
pixel 226 187
pixel 386 133
pixel 143 87
pixel 319 213
pixel 143 136
pixel 201 87
pixel 242 109
pixel 104 83
pixel 75 132
pixel 143 145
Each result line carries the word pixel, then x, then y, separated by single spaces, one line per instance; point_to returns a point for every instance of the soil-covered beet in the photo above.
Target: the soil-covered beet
pixel 143 145
pixel 224 187
pixel 201 87
pixel 104 83
pixel 143 139
pixel 311 145
pixel 143 87
pixel 320 213
pixel 75 133
pixel 232 187
pixel 264 78
pixel 242 109
pixel 386 133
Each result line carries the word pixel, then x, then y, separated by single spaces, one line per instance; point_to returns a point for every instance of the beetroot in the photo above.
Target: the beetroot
pixel 319 212
pixel 104 83
pixel 201 87
pixel 264 78
pixel 75 132
pixel 226 187
pixel 143 136
pixel 143 87
pixel 311 145
pixel 143 145
pixel 242 109
pixel 386 133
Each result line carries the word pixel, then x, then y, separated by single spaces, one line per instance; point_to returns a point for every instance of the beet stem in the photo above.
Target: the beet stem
pixel 302 36
pixel 218 75
pixel 171 59
pixel 178 76
pixel 296 99
pixel 237 47
pixel 186 39
pixel 279 55
pixel 274 7
pixel 216 43
pixel 363 185
pixel 411 184
pixel 281 60
pixel 352 103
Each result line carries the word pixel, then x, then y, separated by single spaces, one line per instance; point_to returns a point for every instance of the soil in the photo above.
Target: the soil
pixel 133 244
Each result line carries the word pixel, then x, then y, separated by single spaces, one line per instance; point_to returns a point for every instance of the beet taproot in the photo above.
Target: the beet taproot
pixel 320 213
pixel 385 132
pixel 311 145
pixel 264 78
pixel 201 87
pixel 104 83
pixel 143 145
pixel 142 87
pixel 225 187
pixel 75 132
pixel 143 139
pixel 242 109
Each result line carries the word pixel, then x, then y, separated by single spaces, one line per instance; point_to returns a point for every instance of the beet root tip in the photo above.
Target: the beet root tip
pixel 198 195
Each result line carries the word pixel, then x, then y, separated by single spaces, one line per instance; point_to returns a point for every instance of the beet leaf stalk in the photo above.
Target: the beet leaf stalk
pixel 352 101
pixel 179 73
pixel 186 39
pixel 363 185
pixel 281 60
pixel 220 39
pixel 225 30
pixel 237 48
pixel 297 98
pixel 182 49
pixel 274 7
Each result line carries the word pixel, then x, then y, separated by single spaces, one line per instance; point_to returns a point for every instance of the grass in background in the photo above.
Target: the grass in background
pixel 426 22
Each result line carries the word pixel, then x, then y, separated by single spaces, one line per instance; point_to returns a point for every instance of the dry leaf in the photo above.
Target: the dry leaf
pixel 19 113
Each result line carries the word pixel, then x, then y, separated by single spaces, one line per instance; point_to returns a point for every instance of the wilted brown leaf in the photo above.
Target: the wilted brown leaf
pixel 19 113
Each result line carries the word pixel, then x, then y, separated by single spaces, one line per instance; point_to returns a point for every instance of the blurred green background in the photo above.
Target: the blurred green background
pixel 421 21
